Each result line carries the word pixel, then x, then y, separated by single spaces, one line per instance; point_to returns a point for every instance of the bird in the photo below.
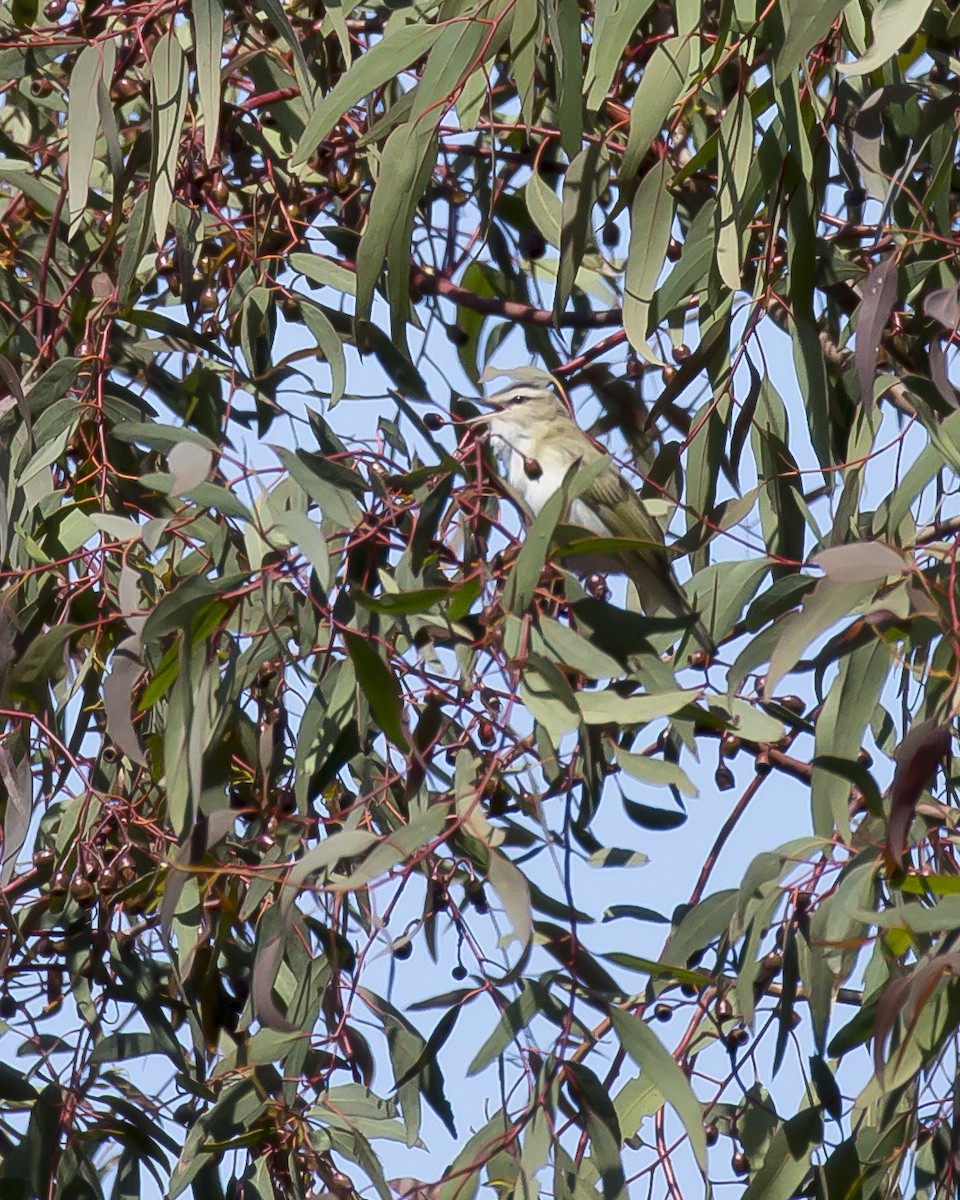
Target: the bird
pixel 537 443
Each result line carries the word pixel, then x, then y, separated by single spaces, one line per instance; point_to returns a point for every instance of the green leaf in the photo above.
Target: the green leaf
pixel 14 1086
pixel 189 466
pixel 40 188
pixel 614 25
pixel 511 886
pixel 893 22
pixel 379 684
pixel 614 856
pixel 648 817
pixel 404 603
pixel 651 218
pixel 176 331
pixel 822 608
pixel 700 926
pixel 207 16
pixel 656 771
pixel 324 272
pixel 461 1179
pixel 18 785
pixel 649 1053
pixel 277 14
pixel 328 340
pixel 81 129
pixel 544 207
pixel 117 692
pixel 636 912
pixel 610 707
pixel 596 1110
pixel 735 147
pixel 526 33
pixel 30 1162
pixel 563 24
pixel 721 591
pixel 665 79
pixel 787 1161
pixel 461 47
pixel 345 843
pixel 177 609
pixel 168 73
pixel 117 1047
pixel 406 1047
pixel 332 485
pixel 306 534
pixel 405 166
pixel 550 700
pixel 381 63
pixel 52 385
pixel 571 649
pixel 807 24
pixel 583 182
pixel 517 1016
pixel 847 712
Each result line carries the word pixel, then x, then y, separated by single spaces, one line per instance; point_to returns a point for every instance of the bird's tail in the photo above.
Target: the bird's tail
pixel 658 589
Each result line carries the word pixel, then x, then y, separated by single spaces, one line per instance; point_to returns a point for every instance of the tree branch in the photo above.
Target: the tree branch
pixel 524 314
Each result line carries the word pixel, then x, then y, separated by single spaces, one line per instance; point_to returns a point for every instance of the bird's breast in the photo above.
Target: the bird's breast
pixel 535 480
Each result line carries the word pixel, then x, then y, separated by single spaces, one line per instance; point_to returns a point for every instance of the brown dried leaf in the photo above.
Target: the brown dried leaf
pixel 938 373
pixel 941 305
pixel 906 998
pixel 879 294
pixel 918 756
pixel 888 1009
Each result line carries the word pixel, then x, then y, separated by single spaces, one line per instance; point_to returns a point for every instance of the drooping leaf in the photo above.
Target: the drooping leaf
pixel 380 686
pixel 168 71
pixel 807 25
pixel 118 689
pixel 664 79
pixel 514 892
pixel 81 129
pixel 369 72
pixel 735 145
pixel 651 218
pixel 582 184
pixel 879 295
pixel 821 609
pixel 650 1054
pixel 919 755
pixel 614 25
pixel 17 784
pixel 208 25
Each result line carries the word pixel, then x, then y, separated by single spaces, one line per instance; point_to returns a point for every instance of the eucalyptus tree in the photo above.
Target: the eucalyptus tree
pixel 292 693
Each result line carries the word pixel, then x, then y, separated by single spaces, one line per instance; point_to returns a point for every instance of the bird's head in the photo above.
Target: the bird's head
pixel 523 407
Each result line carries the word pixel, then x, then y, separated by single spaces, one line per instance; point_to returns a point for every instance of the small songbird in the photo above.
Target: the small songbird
pixel 537 442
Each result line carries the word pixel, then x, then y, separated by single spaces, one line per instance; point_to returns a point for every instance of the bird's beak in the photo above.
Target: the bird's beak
pixel 481 418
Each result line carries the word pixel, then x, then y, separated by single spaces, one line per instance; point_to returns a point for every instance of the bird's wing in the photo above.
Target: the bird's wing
pixel 620 508
pixel 621 511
